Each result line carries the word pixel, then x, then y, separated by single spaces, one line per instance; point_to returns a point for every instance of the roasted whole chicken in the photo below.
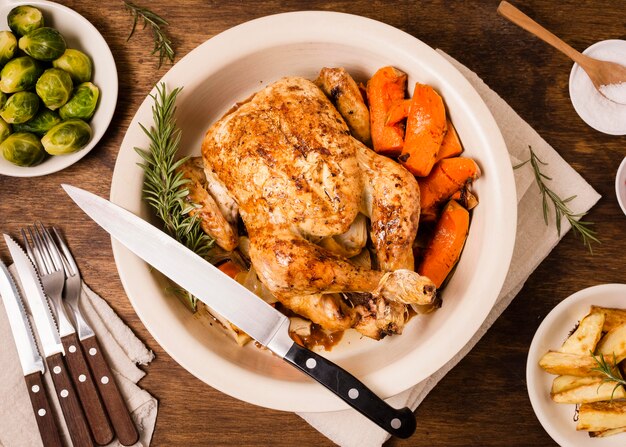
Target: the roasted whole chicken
pixel 308 194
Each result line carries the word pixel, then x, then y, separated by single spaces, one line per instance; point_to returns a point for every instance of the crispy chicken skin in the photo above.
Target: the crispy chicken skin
pixel 343 91
pixel 212 219
pixel 297 175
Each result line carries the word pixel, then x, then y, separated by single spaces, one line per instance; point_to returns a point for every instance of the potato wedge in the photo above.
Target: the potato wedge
pixel 564 383
pixel 612 317
pixel 609 432
pixel 591 392
pixel 562 363
pixel 599 416
pixel 613 344
pixel 584 339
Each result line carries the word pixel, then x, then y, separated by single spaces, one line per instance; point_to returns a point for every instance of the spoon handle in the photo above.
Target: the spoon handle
pixel 516 16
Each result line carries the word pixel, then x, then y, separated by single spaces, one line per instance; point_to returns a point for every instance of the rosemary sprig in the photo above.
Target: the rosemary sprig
pixel 162 43
pixel 164 187
pixel 561 207
pixel 609 371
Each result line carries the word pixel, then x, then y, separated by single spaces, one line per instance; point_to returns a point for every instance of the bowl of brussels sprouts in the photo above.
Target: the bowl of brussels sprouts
pixel 58 87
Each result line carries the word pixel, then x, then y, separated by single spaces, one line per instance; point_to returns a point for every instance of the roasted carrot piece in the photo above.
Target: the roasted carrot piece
pixel 386 87
pixel 446 178
pixel 425 128
pixel 451 145
pixel 231 268
pixel 444 249
pixel 398 111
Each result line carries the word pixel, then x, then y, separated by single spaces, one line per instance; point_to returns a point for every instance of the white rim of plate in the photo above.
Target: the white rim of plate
pixel 105 111
pixel 318 26
pixel 620 185
pixel 573 308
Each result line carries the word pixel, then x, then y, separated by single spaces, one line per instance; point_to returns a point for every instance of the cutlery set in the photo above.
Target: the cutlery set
pixel 91 403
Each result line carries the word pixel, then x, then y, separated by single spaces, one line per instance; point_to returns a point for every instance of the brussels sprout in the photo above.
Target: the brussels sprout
pixel 20 74
pixel 44 44
pixel 3 99
pixel 20 107
pixel 54 87
pixel 67 137
pixel 8 45
pixel 76 63
pixel 23 149
pixel 40 124
pixel 82 104
pixel 5 130
pixel 24 19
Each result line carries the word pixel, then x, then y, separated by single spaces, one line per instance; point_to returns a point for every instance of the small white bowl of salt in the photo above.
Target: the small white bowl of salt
pixel 596 110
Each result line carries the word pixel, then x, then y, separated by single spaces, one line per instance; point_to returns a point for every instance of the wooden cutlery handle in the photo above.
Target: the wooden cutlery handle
pixel 72 411
pixel 43 414
pixel 120 417
pixel 86 389
pixel 507 10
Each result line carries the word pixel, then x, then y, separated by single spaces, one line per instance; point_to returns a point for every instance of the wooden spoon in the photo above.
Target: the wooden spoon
pixel 601 73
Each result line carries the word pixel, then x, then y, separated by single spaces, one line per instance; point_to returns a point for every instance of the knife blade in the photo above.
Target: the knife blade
pixel 32 363
pixel 51 344
pixel 37 300
pixel 238 305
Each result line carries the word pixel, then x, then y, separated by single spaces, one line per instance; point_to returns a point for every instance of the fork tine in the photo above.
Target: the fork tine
pixel 40 246
pixel 52 248
pixel 67 254
pixel 33 249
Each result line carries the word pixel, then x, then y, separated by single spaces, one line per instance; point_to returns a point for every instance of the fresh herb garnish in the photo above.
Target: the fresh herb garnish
pixel 609 371
pixel 561 208
pixel 164 187
pixel 162 43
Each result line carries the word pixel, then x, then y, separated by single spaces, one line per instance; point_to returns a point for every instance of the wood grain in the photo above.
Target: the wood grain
pixel 68 400
pixel 86 389
pixel 116 407
pixel 483 400
pixel 43 413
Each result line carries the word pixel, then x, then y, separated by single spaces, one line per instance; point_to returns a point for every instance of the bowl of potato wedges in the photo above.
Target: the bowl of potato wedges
pixel 576 368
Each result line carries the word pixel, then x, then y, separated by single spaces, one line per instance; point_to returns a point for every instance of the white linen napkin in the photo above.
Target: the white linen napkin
pixel 123 350
pixel 534 241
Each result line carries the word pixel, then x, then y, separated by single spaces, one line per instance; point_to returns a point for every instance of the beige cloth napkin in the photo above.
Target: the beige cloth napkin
pixel 533 243
pixel 121 347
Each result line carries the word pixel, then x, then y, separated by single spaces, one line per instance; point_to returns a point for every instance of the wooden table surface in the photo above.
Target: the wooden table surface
pixel 483 401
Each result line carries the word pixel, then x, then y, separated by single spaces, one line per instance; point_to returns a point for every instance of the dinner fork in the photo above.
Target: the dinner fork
pixel 120 417
pixel 41 249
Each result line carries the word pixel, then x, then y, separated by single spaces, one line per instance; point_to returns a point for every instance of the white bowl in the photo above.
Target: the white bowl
pixel 240 61
pixel 620 185
pixel 80 34
pixel 598 112
pixel 557 419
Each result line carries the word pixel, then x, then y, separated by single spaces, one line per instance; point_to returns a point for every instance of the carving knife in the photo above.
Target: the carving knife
pixel 51 345
pixel 239 306
pixel 32 363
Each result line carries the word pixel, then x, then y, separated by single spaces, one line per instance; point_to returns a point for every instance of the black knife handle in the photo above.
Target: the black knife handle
pixel 43 414
pixel 397 422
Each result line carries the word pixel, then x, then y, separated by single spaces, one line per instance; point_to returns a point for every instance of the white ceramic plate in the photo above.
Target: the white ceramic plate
pixel 557 419
pixel 620 185
pixel 240 61
pixel 78 33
